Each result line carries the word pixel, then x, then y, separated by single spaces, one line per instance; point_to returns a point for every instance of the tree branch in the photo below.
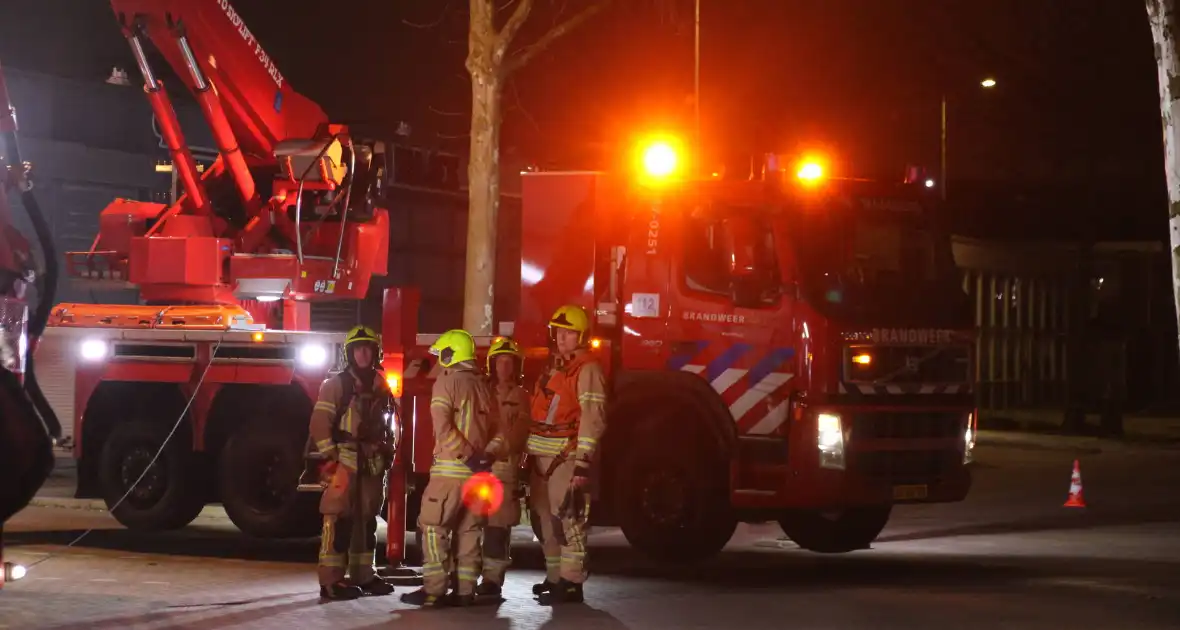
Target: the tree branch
pixel 512 27
pixel 441 17
pixel 528 53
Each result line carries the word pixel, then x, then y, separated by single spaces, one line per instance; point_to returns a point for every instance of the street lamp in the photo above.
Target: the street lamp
pixel 987 84
pixel 696 86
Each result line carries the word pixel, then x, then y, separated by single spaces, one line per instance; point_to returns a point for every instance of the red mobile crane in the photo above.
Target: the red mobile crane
pixel 287 214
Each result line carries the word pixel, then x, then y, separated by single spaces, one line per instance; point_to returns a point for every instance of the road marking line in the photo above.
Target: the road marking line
pixel 46 578
pixel 161 583
pixel 102 580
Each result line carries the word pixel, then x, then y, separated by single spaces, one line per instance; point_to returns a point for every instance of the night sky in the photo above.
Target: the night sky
pixel 1068 143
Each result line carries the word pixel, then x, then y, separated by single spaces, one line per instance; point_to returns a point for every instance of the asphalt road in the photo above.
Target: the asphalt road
pixel 1010 556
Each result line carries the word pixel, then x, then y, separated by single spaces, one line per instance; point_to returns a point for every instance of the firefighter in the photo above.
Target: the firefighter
pixel 505 366
pixel 568 418
pixel 466 440
pixel 349 429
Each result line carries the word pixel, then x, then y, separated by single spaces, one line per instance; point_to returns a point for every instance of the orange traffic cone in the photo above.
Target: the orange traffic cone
pixel 1075 488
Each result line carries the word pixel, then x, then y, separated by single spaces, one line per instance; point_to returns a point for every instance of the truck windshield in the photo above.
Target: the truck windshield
pixel 868 265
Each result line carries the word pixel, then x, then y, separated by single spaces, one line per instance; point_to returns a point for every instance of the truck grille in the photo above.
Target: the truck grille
pixel 907 425
pixel 909 364
pixel 905 466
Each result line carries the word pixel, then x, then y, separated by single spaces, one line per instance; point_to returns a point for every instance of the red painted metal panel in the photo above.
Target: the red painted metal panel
pixel 558 228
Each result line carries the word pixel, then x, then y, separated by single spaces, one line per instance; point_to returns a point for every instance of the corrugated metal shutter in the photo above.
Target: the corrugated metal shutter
pixel 56 363
pixel 335 316
pixel 74 211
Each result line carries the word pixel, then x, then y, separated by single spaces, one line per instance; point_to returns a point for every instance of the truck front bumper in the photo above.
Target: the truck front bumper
pixel 824 489
pixel 885 456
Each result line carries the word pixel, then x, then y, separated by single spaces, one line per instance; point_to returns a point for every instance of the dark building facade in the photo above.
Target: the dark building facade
pixel 1070 323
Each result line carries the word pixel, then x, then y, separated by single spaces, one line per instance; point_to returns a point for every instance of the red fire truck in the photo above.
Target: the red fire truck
pixel 788 346
pixel 791 348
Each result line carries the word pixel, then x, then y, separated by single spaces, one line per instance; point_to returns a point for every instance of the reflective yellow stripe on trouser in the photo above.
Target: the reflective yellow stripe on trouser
pixel 331 562
pixel 436 545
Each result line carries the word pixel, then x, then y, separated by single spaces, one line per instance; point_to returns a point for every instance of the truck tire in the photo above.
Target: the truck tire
pixel 674 506
pixel 835 532
pixel 169 496
pixel 258 474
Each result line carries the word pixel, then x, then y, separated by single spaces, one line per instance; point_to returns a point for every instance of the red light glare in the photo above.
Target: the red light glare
pixel 483 494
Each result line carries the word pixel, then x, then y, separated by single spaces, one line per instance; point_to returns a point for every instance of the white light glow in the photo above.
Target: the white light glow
pixel 530 274
pixel 313 355
pixel 93 350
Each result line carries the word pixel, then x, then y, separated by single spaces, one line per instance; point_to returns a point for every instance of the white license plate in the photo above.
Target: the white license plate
pixel 909 493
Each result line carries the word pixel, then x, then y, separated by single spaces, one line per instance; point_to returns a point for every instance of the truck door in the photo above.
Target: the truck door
pixel 730 321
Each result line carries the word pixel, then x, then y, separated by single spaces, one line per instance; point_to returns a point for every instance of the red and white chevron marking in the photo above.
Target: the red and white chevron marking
pixel 759 408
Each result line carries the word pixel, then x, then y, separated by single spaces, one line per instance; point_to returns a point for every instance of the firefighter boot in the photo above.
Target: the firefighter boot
pixel 563 592
pixel 376 586
pixel 488 591
pixel 425 600
pixel 340 591
pixel 461 601
pixel 543 587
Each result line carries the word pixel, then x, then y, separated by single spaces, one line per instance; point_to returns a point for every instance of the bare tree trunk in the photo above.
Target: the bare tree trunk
pixel 489 66
pixel 1162 15
pixel 483 178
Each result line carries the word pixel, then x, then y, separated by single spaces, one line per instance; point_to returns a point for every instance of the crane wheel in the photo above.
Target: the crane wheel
pixel 169 496
pixel 258 476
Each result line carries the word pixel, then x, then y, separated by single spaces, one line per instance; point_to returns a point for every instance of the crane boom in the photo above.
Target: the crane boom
pixel 286 211
pixel 261 107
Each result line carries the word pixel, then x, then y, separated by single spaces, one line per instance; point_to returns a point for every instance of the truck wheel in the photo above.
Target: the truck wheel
pixel 675 508
pixel 258 476
pixel 168 496
pixel 835 532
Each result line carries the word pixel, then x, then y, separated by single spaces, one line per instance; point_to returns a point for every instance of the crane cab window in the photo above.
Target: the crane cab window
pixel 707 259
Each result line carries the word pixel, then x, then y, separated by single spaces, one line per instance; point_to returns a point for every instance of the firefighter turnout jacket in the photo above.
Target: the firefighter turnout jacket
pixel 514 426
pixel 466 420
pixel 569 409
pixel 350 414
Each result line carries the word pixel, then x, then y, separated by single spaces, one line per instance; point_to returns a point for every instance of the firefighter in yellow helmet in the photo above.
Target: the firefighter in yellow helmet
pixel 568 419
pixel 349 429
pixel 505 365
pixel 466 440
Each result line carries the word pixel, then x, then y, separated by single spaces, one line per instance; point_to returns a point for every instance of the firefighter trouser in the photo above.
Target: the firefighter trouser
pixel 346 543
pixel 445 522
pixel 563 537
pixel 497 535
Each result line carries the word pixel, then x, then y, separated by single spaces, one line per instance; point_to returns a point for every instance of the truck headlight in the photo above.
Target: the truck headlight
pixel 313 355
pixel 830 440
pixel 969 440
pixel 13 571
pixel 93 350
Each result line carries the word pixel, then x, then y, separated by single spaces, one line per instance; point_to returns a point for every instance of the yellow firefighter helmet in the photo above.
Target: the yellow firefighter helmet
pixel 454 346
pixel 505 345
pixel 571 317
pixel 362 334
